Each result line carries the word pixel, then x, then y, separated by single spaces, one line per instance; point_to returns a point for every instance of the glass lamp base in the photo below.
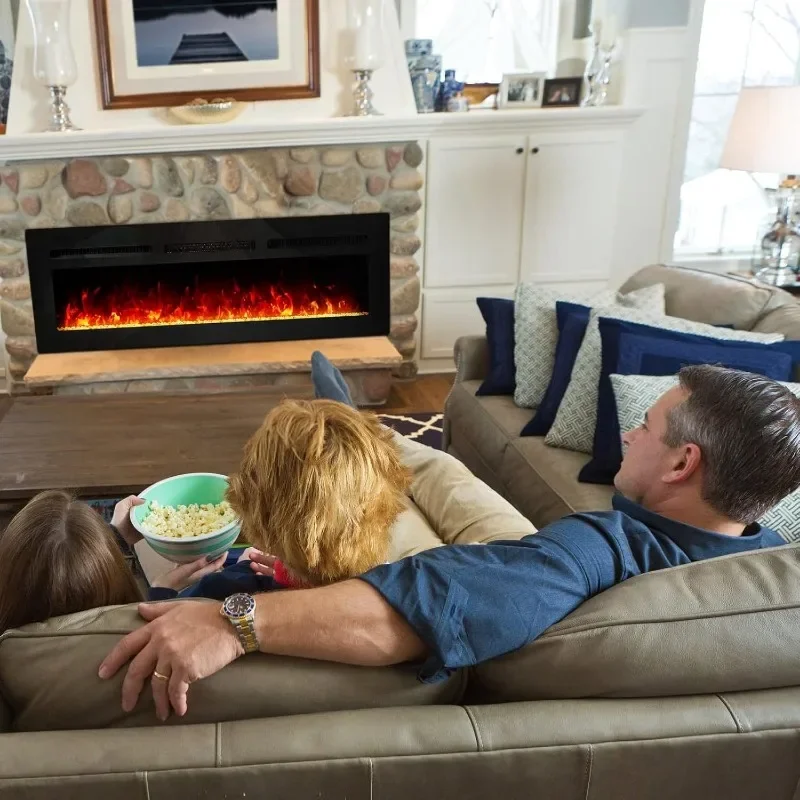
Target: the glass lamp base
pixel 777 276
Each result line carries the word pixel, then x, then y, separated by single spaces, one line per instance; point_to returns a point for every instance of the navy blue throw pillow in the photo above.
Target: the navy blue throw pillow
pixel 629 348
pixel 498 314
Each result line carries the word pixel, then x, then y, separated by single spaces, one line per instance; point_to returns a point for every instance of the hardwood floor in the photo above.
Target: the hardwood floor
pixel 426 393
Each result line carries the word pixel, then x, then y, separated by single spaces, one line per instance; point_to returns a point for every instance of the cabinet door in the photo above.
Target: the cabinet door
pixel 571 198
pixel 473 222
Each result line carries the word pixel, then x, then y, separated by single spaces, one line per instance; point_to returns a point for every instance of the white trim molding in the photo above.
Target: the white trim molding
pixel 303 133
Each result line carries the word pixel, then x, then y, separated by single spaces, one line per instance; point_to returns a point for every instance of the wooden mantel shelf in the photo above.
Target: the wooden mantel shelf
pixel 60 369
pixel 303 133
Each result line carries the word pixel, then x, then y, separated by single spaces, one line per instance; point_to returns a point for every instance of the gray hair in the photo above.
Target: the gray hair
pixel 748 429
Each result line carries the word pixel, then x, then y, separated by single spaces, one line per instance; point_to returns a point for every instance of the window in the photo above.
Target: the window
pixel 743 43
pixel 482 39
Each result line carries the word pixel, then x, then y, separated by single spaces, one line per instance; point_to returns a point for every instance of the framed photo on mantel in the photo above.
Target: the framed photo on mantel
pixel 156 53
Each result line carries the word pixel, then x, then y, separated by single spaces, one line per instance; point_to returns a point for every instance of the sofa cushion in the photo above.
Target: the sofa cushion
pixel 736 301
pixel 498 314
pixel 723 625
pixel 541 481
pixel 48 674
pixel 5 715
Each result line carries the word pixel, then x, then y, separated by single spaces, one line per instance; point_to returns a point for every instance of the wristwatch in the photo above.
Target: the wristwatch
pixel 240 610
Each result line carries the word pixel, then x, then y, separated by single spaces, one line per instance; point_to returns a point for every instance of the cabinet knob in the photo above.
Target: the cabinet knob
pixel 534 150
pixel 520 151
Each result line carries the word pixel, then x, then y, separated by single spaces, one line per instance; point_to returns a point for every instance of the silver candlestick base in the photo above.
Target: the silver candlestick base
pixel 59 111
pixel 362 95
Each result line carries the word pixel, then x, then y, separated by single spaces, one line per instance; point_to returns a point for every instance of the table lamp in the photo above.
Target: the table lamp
pixel 765 137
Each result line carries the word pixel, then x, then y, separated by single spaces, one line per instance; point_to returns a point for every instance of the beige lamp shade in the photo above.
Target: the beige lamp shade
pixel 765 133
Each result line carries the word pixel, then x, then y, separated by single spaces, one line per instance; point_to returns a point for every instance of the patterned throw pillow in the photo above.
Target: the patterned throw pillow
pixel 635 394
pixel 575 421
pixel 536 330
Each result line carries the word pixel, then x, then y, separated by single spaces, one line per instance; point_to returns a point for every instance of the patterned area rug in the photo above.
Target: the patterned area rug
pixel 423 428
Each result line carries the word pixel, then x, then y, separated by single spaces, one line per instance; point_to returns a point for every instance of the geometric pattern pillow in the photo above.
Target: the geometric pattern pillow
pixel 635 394
pixel 573 428
pixel 536 330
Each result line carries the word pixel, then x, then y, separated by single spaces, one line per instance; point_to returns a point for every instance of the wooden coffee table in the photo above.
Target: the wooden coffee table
pixel 114 445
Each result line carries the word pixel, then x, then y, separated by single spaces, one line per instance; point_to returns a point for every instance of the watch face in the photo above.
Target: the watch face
pixel 239 605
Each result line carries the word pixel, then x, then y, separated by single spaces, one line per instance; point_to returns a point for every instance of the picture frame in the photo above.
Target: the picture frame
pixel 521 90
pixel 7 38
pixel 562 92
pixel 248 50
pixel 476 93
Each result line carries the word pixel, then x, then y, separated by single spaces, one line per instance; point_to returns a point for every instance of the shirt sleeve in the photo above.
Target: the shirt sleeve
pixel 470 604
pixel 236 578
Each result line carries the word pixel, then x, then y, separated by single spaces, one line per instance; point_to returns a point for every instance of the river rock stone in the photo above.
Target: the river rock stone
pixel 12 228
pixel 302 155
pixel 407 180
pixel 175 210
pixel 336 157
pixel 42 221
pixel 413 154
pixel 149 202
pixel 341 187
pixel 141 172
pixel 376 184
pixel 366 205
pixel 167 177
pixel 406 370
pixel 269 207
pixel 230 175
pixel 187 167
pixel 116 167
pixel 262 163
pixel 120 209
pixel 403 266
pixel 82 178
pixel 15 289
pixel 209 171
pixel 21 347
pixel 405 244
pixel 301 182
pixel 406 347
pixel 122 187
pixel 17 320
pixel 240 209
pixel 405 224
pixel 86 214
pixel 405 295
pixel 56 202
pixel 8 204
pixel 33 176
pixel 370 157
pixel 17 369
pixel 394 155
pixel 11 268
pixel 11 179
pixel 402 203
pixel 31 204
pixel 207 203
pixel 248 190
pixel 403 326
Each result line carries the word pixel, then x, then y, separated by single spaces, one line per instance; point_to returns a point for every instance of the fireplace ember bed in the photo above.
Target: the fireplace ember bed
pixel 198 283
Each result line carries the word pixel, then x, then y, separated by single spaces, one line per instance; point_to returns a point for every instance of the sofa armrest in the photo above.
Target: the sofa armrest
pixel 472 358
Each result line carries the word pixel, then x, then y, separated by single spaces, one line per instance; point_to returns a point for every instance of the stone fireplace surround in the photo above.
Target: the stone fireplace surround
pixel 242 185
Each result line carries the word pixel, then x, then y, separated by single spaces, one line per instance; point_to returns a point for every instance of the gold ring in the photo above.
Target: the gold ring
pixel 157 674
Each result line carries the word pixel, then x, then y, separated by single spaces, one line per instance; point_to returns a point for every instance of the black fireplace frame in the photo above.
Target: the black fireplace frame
pixel 129 246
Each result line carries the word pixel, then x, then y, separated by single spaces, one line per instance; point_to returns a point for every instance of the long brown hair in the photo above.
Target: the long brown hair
pixel 58 556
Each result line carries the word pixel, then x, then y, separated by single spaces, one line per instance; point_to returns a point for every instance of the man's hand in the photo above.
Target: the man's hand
pixel 122 519
pixel 184 642
pixel 183 575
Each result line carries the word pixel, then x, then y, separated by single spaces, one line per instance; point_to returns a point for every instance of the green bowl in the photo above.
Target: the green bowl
pixel 194 487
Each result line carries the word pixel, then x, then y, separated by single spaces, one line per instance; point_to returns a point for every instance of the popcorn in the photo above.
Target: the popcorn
pixel 184 522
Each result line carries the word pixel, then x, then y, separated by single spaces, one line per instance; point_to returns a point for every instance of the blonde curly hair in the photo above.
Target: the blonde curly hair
pixel 319 486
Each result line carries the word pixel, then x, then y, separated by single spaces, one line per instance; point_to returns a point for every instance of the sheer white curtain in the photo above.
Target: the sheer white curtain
pixel 482 39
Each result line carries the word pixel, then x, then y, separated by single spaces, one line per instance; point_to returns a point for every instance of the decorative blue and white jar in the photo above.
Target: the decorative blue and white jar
pixel 419 47
pixel 426 76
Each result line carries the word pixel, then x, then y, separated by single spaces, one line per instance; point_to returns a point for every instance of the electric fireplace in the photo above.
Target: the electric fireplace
pixel 193 283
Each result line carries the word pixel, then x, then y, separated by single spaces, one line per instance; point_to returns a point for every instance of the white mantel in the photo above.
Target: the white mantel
pixel 304 132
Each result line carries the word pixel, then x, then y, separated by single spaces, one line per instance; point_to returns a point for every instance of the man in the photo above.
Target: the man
pixel 712 456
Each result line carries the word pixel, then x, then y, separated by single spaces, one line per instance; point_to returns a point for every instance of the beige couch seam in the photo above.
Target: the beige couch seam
pixel 475 729
pixel 146 785
pixel 739 726
pixel 218 744
pixel 589 768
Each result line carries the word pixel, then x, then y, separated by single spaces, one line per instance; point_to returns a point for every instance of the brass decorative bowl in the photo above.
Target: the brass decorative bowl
pixel 204 112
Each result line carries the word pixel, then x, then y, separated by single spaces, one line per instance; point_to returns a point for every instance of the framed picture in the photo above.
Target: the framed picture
pixel 242 49
pixel 562 92
pixel 7 30
pixel 521 90
pixel 476 93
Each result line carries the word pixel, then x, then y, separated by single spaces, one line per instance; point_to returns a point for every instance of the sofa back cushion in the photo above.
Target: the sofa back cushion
pixel 5 715
pixel 48 675
pixel 736 301
pixel 724 625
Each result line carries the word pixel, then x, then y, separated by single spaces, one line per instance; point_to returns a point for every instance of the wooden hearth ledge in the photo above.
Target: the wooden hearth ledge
pixel 61 369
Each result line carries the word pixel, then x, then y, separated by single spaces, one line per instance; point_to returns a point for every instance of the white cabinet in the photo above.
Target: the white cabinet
pixel 475 191
pixel 540 206
pixel 570 214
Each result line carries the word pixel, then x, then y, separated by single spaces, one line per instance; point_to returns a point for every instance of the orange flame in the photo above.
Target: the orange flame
pixel 129 307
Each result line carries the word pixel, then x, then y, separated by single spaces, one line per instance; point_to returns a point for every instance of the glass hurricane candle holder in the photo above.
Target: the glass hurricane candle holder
pixel 365 54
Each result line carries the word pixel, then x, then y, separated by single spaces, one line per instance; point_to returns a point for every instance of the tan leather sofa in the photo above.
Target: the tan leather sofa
pixel 682 684
pixel 541 481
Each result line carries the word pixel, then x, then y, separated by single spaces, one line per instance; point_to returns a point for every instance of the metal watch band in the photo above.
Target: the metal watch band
pixel 246 631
